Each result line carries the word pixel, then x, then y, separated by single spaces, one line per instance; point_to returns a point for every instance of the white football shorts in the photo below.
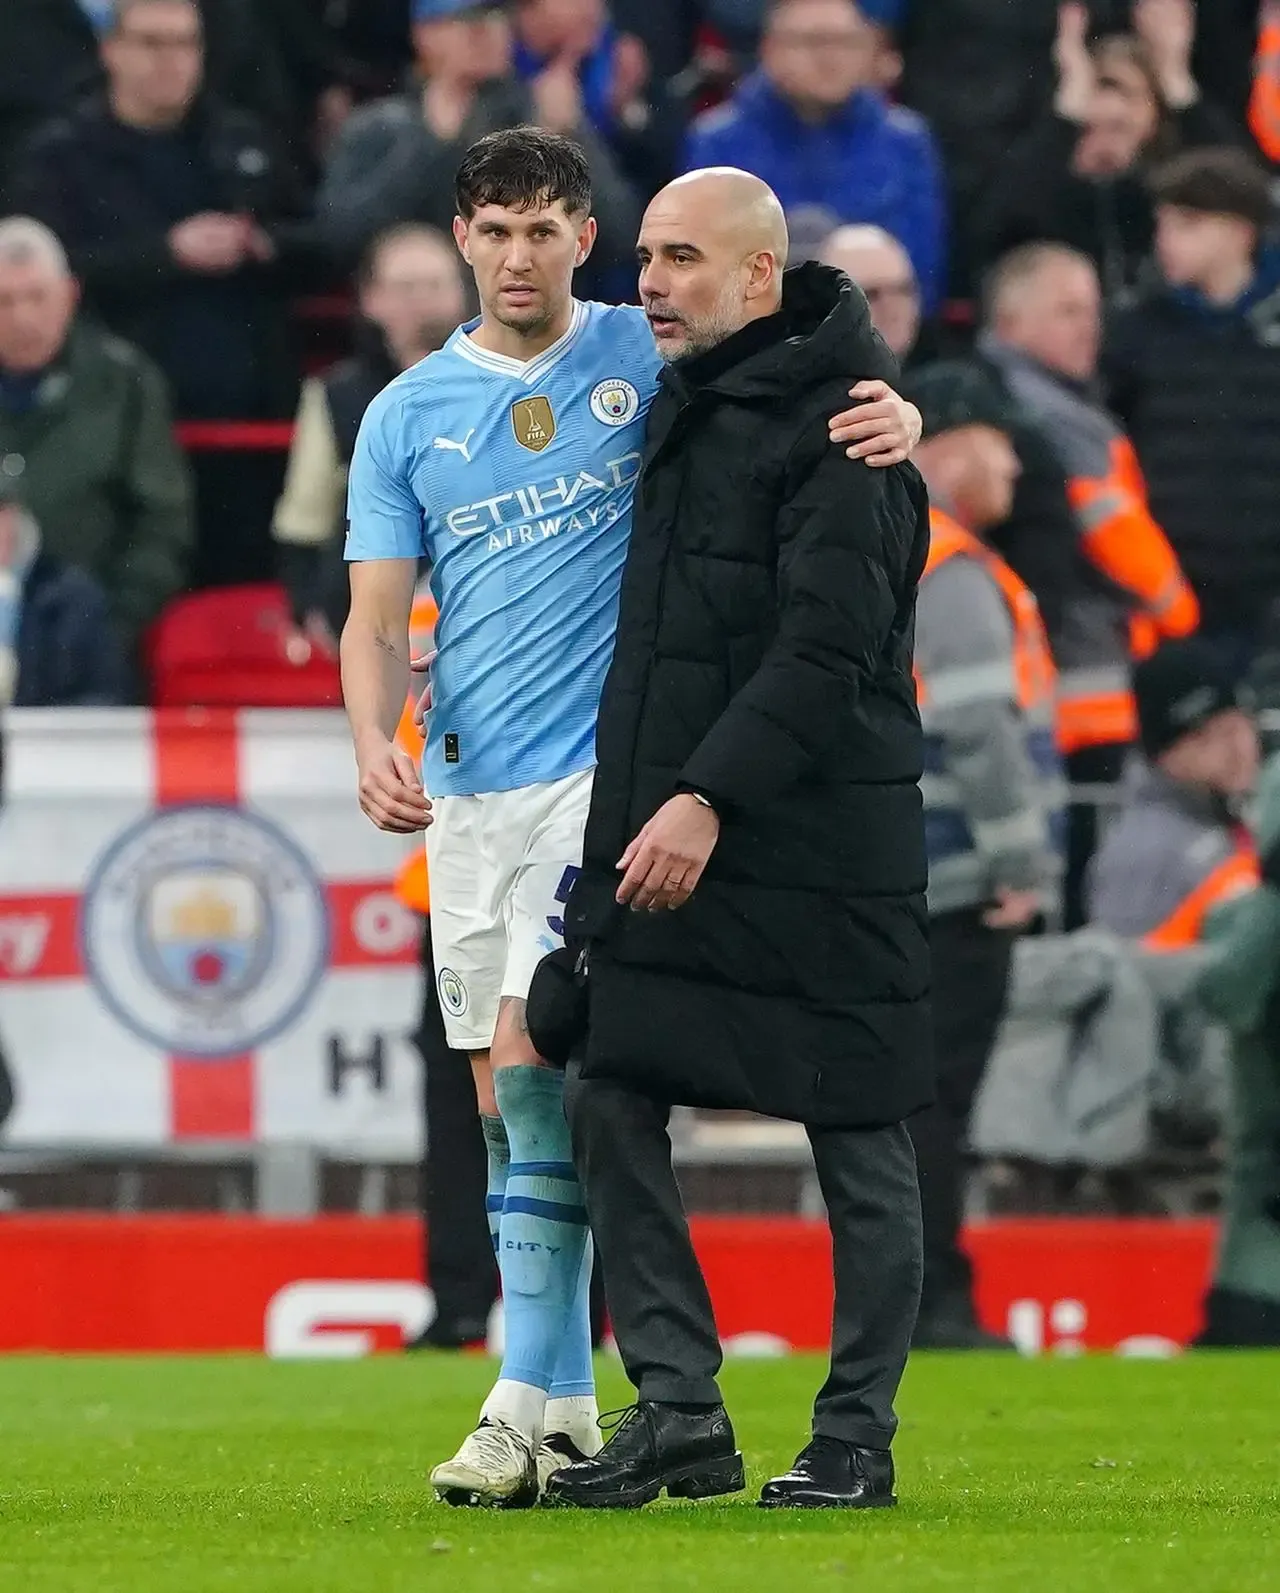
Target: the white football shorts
pixel 501 866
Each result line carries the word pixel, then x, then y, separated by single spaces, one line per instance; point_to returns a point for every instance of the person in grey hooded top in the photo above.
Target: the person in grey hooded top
pixel 395 158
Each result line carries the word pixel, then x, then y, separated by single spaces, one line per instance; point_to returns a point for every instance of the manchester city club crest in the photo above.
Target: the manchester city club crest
pixel 533 422
pixel 453 993
pixel 614 402
pixel 205 930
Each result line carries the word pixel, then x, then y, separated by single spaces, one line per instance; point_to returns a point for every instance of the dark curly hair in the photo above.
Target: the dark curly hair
pixel 523 168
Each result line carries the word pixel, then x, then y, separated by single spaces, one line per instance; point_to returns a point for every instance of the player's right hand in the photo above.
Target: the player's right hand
pixel 422 666
pixel 391 791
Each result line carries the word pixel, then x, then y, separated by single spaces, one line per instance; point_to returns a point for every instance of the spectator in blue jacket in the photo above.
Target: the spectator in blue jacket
pixel 58 648
pixel 813 124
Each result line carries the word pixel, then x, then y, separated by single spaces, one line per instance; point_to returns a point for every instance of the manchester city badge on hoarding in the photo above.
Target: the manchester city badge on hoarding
pixel 204 930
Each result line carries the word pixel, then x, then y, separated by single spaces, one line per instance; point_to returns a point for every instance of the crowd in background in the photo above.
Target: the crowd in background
pixel 1061 215
pixel 212 177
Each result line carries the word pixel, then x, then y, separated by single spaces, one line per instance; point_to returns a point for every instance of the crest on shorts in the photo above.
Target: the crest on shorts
pixel 453 993
pixel 533 422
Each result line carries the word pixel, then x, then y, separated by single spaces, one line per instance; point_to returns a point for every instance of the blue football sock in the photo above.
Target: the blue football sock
pixel 498 1148
pixel 574 1374
pixel 543 1235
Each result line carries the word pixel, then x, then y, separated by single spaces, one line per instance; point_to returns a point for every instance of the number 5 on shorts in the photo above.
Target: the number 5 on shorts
pixel 563 889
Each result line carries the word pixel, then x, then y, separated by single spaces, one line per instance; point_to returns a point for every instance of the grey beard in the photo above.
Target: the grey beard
pixel 707 339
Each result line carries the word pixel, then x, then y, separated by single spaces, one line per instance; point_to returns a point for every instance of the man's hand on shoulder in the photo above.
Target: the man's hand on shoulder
pixel 663 865
pixel 881 428
pixel 422 666
pixel 391 791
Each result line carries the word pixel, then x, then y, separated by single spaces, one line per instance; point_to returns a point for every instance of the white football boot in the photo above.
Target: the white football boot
pixel 495 1468
pixel 555 1452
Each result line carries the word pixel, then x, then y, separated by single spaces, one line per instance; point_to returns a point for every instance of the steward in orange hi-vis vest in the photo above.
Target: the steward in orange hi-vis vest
pixel 411 882
pixel 1143 598
pixel 993 788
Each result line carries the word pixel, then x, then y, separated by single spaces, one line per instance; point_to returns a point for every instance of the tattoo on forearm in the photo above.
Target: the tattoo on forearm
pixel 387 646
pixel 519 1013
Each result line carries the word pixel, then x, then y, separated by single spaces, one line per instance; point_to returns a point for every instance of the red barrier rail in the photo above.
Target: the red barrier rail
pixel 235 436
pixel 276 436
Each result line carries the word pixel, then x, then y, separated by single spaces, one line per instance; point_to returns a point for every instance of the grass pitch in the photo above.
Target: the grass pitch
pixel 190 1476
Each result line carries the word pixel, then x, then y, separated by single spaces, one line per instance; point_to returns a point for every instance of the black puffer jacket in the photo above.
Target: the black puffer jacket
pixel 764 657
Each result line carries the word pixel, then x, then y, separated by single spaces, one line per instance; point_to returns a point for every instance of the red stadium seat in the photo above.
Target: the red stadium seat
pixel 225 649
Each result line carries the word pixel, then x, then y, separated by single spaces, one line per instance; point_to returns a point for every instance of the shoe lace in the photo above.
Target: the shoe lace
pixel 496 1442
pixel 615 1422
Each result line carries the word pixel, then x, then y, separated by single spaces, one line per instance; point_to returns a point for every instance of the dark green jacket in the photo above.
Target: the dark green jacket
pixel 98 466
pixel 1240 987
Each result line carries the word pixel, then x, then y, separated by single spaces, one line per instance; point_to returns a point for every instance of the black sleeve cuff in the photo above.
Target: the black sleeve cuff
pixel 709 797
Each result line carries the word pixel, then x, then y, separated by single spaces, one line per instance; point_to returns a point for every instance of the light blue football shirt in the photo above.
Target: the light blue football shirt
pixel 515 479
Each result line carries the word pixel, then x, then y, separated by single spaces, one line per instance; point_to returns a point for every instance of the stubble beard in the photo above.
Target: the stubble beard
pixel 530 324
pixel 701 336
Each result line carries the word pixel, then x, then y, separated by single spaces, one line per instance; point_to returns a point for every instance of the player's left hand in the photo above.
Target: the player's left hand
pixel 664 863
pixel 422 666
pixel 881 428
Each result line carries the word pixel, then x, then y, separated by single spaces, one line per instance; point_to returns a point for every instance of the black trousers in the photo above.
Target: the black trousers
pixel 459 1252
pixel 970 986
pixel 658 1300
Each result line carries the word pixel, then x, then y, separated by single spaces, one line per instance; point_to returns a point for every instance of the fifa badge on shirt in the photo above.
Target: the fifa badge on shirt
pixel 533 423
pixel 614 402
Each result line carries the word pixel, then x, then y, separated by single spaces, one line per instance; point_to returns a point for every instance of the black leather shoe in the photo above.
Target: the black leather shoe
pixel 691 1454
pixel 832 1475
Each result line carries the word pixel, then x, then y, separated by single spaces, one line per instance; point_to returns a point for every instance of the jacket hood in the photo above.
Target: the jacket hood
pixel 825 331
